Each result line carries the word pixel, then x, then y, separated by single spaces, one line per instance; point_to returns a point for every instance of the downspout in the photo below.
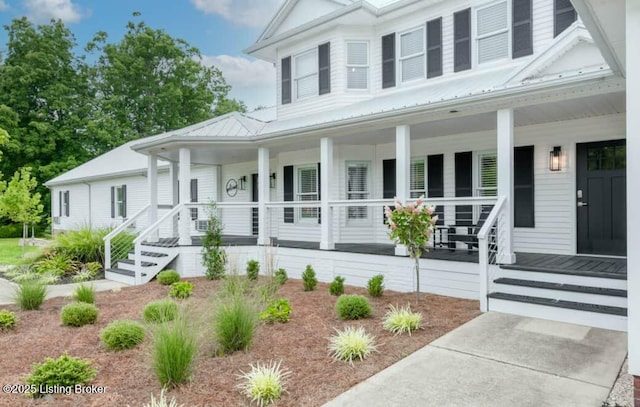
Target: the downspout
pixel 90 207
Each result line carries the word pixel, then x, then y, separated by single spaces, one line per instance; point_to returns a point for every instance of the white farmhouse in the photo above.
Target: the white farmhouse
pixel 509 115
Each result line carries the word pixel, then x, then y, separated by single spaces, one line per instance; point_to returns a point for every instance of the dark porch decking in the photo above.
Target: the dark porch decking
pixel 552 263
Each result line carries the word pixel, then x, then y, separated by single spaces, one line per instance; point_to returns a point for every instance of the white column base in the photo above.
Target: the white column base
pixel 507 258
pixel 327 246
pixel 264 241
pixel 401 250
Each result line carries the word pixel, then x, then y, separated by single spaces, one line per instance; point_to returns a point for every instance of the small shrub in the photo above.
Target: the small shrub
pixel 401 320
pixel 56 263
pixel 351 343
pixel 174 348
pixel 64 371
pixel 160 311
pixel 79 314
pixel 84 244
pixel 93 267
pixel 85 293
pixel 234 324
pixel 168 277
pixel 82 276
pixel 48 278
pixel 30 295
pixel 375 286
pixel 336 287
pixel 162 401
pixel 353 307
pixel 214 257
pixel 281 276
pixel 309 280
pixel 278 311
pixel 121 335
pixel 264 383
pixel 253 269
pixel 20 276
pixel 181 289
pixel 8 320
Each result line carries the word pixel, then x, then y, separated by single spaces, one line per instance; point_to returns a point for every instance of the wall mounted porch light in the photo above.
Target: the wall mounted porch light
pixel 242 183
pixel 555 159
pixel 272 180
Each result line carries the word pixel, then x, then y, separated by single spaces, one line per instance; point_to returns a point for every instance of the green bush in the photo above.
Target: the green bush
pixel 264 383
pixel 214 258
pixel 88 272
pixel 160 311
pixel 168 277
pixel 281 276
pixel 353 307
pixel 277 311
pixel 56 263
pixel 181 289
pixel 253 269
pixel 30 294
pixel 351 343
pixel 336 287
pixel 400 320
pixel 11 230
pixel 234 324
pixel 64 371
pixel 85 244
pixel 174 348
pixel 375 286
pixel 85 293
pixel 121 335
pixel 309 280
pixel 8 319
pixel 79 314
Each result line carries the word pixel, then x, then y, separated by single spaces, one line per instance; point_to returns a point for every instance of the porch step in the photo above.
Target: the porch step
pixel 566 279
pixel 132 262
pixel 150 254
pixel 123 272
pixel 554 270
pixel 563 287
pixel 165 242
pixel 579 306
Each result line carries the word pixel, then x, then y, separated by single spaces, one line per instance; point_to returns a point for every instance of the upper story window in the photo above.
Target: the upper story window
pixel 306 74
pixel 462 40
pixel 564 15
pixel 492 32
pixel 412 54
pixel 357 65
pixel 522 29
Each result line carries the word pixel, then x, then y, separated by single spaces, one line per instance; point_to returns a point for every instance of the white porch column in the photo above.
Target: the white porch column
pixel 263 195
pixel 185 196
pixel 152 180
pixel 403 171
pixel 173 193
pixel 505 184
pixel 326 177
pixel 633 193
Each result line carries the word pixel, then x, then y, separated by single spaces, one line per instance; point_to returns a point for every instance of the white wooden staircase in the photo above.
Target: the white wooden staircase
pixel 155 258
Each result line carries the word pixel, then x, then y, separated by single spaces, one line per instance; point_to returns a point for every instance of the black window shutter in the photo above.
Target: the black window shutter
pixel 464 186
pixel 66 202
pixel 288 192
pixel 388 180
pixel 389 61
pixel 435 182
pixel 286 80
pixel 194 197
pixel 434 48
pixel 324 68
pixel 319 194
pixel 462 40
pixel 124 201
pixel 60 203
pixel 564 15
pixel 523 187
pixel 113 202
pixel 522 31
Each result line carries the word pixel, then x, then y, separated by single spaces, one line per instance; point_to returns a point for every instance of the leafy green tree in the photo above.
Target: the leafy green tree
pixel 20 203
pixel 150 82
pixel 226 105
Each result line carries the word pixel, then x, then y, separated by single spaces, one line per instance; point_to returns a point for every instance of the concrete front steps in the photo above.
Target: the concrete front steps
pixel 579 297
pixel 154 259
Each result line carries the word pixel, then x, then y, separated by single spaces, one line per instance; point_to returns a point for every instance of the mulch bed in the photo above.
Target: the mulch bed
pixel 301 344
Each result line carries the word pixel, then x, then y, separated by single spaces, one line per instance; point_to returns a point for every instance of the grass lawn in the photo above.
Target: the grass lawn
pixel 11 252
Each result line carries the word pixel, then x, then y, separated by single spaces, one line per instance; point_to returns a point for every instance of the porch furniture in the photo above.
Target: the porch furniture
pixel 471 237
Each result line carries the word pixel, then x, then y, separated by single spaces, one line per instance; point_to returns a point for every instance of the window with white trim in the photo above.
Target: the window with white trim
pixel 120 201
pixel 411 58
pixel 418 176
pixel 488 174
pixel 357 188
pixel 306 74
pixel 357 65
pixel 307 190
pixel 492 32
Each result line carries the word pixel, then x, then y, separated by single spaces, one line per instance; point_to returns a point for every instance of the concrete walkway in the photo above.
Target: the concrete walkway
pixel 7 289
pixel 501 360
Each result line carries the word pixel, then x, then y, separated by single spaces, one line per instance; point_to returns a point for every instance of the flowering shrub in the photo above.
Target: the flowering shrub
pixel 412 226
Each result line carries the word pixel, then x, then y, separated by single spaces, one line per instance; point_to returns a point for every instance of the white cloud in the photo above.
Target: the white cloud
pixel 3 6
pixel 250 13
pixel 253 82
pixel 41 11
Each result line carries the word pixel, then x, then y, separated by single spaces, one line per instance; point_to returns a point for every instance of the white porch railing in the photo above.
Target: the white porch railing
pixel 489 246
pixel 119 241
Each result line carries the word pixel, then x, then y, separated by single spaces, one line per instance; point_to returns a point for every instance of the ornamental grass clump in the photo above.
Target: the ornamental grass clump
pixel 401 320
pixel 174 349
pixel 160 311
pixel 30 294
pixel 351 307
pixel 62 372
pixel 234 323
pixel 121 335
pixel 336 287
pixel 78 314
pixel 309 280
pixel 351 343
pixel 168 277
pixel 264 384
pixel 412 226
pixel 85 293
pixel 163 401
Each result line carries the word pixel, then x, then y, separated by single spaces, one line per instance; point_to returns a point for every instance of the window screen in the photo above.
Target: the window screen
pixel 357 65
pixel 357 188
pixel 412 48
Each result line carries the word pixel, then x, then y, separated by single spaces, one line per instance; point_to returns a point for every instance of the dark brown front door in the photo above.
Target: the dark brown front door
pixel 602 198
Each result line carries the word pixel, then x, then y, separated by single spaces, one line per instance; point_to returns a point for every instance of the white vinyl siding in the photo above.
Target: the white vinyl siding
pixel 307 190
pixel 357 65
pixel 411 57
pixel 305 70
pixel 357 188
pixel 492 32
pixel 487 174
pixel 418 184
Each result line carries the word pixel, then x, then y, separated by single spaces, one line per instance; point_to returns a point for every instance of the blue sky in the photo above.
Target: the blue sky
pixel 221 29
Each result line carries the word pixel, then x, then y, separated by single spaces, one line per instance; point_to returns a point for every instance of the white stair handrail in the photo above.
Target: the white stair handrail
pixel 116 231
pixel 483 251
